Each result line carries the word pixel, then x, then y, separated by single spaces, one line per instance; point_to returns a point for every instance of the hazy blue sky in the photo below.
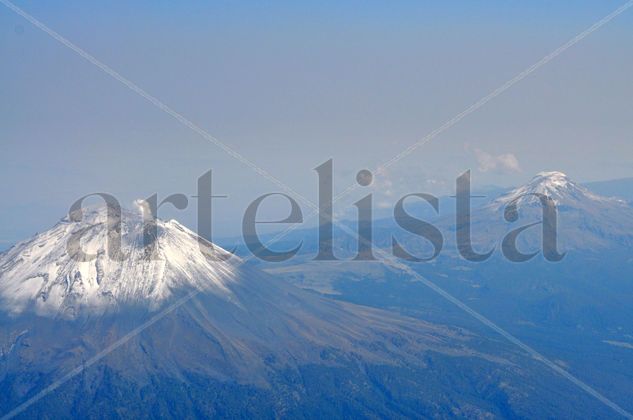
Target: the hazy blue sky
pixel 291 84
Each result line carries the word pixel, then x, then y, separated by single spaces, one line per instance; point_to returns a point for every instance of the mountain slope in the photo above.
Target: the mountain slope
pixel 246 345
pixel 621 188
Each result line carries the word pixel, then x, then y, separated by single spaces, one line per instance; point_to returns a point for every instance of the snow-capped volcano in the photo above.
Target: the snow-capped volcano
pixel 54 274
pixel 584 220
pixel 558 187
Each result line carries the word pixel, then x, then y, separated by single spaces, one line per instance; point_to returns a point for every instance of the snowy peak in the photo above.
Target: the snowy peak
pixel 558 187
pixel 550 181
pixel 584 220
pixel 95 260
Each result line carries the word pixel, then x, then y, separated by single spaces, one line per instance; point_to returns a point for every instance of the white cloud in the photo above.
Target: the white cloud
pixel 506 162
